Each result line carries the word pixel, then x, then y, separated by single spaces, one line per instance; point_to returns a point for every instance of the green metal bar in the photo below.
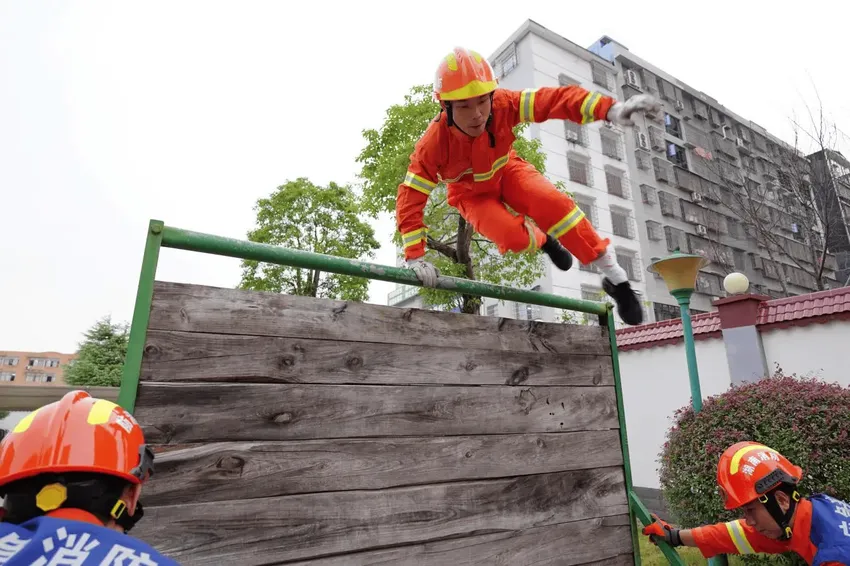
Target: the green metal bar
pixel 636 507
pixel 683 297
pixel 219 245
pixel 141 316
pixel 645 518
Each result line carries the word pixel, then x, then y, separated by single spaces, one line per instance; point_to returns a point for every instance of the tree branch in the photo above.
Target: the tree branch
pixel 442 248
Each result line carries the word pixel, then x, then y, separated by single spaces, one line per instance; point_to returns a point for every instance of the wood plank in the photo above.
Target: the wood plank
pixel 299 527
pixel 180 413
pixel 222 471
pixel 191 356
pixel 194 308
pixel 31 397
pixel 584 542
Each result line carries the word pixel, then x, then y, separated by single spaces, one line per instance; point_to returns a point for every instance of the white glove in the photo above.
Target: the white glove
pixel 425 271
pixel 621 112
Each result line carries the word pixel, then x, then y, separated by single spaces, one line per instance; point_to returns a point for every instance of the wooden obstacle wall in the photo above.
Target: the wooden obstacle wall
pixel 293 430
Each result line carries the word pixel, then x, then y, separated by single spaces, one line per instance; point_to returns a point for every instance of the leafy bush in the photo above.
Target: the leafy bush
pixel 805 419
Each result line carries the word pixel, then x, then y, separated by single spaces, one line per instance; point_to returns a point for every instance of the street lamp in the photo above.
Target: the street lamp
pixel 679 272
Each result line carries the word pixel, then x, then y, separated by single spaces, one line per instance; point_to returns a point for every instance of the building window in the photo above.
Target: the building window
pixel 39 377
pixel 9 361
pixel 52 363
pixel 648 195
pixel 665 312
pixel 676 155
pixel 7 376
pixel 616 182
pixel 600 75
pixel 629 262
pixel 491 310
pixel 653 230
pixel 642 157
pixel 622 223
pixel 592 294
pixel 579 170
pixel 506 62
pixel 672 125
pixel 575 133
pixel 676 239
pixel 611 145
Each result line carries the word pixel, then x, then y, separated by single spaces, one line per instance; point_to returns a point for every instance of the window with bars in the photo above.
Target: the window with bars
pixel 675 239
pixel 629 262
pixel 592 294
pixel 575 133
pixel 579 170
pixel 653 230
pixel 676 155
pixel 616 182
pixel 611 144
pixel 622 223
pixel 643 159
pixel 669 204
pixel 600 75
pixel 648 194
pixel 665 312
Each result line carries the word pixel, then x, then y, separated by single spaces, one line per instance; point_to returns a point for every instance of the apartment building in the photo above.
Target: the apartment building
pixel 672 182
pixel 33 368
pixel 832 183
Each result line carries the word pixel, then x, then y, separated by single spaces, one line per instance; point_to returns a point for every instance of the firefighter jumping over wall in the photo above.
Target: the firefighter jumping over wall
pixel 762 484
pixel 483 173
pixel 71 475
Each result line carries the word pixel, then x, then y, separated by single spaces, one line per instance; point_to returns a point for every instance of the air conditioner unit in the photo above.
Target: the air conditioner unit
pixel 739 142
pixel 702 230
pixel 642 142
pixel 632 78
pixel 679 105
pixel 572 136
pixel 696 197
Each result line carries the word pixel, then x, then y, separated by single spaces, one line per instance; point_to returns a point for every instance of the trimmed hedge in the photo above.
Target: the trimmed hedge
pixel 805 419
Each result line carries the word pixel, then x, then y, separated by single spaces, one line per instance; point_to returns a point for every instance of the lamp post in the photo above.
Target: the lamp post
pixel 679 272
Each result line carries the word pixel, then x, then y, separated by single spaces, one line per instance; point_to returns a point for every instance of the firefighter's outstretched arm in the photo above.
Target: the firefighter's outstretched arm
pixel 419 180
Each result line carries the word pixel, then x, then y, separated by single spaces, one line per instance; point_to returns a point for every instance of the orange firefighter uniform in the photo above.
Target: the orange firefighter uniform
pixel 817 528
pixel 484 174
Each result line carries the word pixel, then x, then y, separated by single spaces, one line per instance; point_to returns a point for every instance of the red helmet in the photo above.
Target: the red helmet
pixel 463 74
pixel 78 433
pixel 748 470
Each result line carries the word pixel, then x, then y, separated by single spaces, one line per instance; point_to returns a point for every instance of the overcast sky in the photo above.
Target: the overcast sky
pixel 112 113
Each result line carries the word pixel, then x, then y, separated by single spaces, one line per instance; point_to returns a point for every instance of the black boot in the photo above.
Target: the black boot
pixel 562 258
pixel 628 305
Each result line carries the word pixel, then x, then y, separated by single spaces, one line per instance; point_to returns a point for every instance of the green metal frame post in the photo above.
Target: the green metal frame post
pixel 683 297
pixel 160 236
pixel 636 508
pixel 141 316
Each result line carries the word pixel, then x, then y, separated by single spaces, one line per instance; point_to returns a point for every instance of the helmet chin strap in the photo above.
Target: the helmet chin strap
pixel 772 506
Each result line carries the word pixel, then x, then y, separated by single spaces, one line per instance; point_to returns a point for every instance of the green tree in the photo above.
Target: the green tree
pixel 3 415
pixel 453 247
pixel 100 358
pixel 304 216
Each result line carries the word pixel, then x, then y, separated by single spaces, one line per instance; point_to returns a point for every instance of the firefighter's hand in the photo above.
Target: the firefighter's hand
pixel 661 530
pixel 425 271
pixel 621 112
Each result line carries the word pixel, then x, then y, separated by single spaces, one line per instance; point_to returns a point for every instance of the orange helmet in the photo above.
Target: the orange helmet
pixel 463 74
pixel 78 433
pixel 748 471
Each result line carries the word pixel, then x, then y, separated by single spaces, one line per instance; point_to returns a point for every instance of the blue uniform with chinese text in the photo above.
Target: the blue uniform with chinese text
pixel 48 541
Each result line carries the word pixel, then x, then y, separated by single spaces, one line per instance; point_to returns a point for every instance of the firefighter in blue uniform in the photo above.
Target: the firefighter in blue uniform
pixel 71 475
